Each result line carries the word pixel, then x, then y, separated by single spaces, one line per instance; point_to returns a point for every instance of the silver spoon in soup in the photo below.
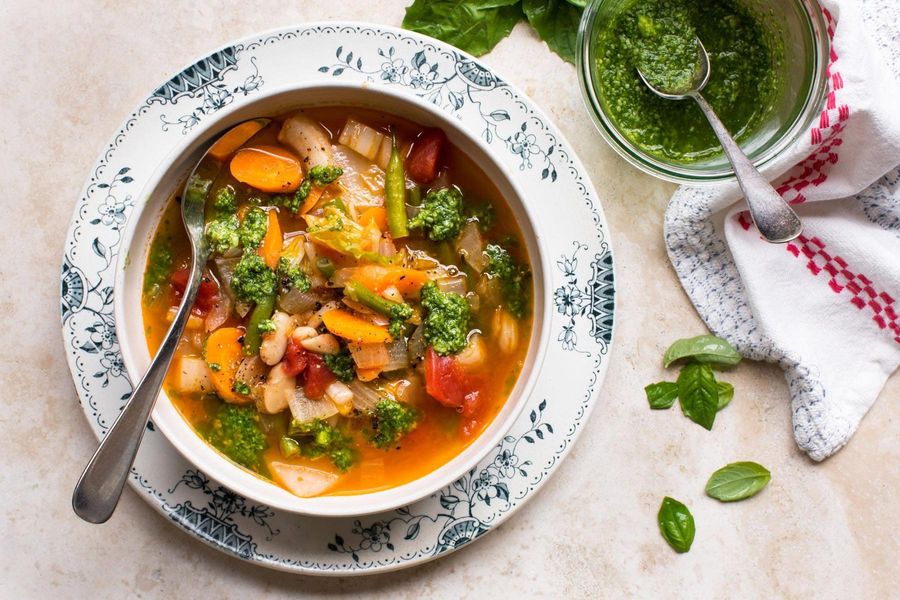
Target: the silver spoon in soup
pixel 100 486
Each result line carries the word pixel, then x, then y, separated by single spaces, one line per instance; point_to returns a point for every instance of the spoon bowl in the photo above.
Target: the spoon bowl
pixel 774 218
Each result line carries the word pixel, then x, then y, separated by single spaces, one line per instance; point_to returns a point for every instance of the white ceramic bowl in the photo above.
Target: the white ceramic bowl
pixel 142 224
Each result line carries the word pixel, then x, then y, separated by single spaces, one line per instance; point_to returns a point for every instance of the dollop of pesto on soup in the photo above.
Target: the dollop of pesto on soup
pixel 658 36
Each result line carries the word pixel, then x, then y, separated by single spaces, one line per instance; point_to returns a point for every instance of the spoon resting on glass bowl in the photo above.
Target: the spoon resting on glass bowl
pixel 774 218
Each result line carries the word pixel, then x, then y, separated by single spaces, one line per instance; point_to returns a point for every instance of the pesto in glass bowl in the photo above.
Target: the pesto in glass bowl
pixel 767 79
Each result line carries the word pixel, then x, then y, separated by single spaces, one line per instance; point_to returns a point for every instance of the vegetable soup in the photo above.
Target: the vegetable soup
pixel 366 309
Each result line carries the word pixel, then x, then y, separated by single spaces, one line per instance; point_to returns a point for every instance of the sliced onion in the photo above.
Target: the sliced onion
pixel 398 355
pixel 192 375
pixel 362 180
pixel 365 396
pixel 308 140
pixel 304 409
pixel 489 290
pixel 369 356
pixel 456 285
pixel 225 271
pixel 361 138
pixel 416 347
pixel 219 313
pixel 316 319
pixel 471 247
pixel 295 302
pixel 252 371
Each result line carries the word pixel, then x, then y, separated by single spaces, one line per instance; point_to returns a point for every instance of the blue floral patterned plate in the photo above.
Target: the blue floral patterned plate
pixel 570 220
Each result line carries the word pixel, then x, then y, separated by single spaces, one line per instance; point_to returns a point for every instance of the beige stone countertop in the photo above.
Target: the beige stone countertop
pixel 71 72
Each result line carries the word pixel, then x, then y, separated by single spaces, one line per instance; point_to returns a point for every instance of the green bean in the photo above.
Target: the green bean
pixel 252 337
pixel 395 192
pixel 360 293
pixel 326 267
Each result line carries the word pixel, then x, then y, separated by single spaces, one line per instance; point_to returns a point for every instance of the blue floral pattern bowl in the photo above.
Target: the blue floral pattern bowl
pixel 558 193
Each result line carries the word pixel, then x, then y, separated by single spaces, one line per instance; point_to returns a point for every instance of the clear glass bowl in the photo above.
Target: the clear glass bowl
pixel 802 28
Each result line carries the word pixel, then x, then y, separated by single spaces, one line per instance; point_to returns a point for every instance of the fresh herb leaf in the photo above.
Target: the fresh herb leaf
pixel 676 524
pixel 475 26
pixel 707 349
pixel 556 22
pixel 726 393
pixel 661 395
pixel 737 481
pixel 698 394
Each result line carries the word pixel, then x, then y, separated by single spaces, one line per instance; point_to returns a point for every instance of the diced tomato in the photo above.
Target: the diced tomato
pixel 296 359
pixel 318 377
pixel 444 379
pixel 207 294
pixel 425 157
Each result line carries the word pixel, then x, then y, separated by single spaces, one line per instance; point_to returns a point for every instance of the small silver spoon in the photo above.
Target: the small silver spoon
pixel 774 218
pixel 100 486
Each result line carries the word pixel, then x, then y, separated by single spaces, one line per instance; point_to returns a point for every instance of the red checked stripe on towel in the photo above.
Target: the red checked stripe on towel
pixel 863 293
pixel 825 137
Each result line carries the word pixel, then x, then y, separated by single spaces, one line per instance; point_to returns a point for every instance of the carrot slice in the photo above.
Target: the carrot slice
pixel 267 168
pixel 224 353
pixel 367 374
pixel 343 324
pixel 378 278
pixel 314 194
pixel 270 249
pixel 234 139
pixel 376 215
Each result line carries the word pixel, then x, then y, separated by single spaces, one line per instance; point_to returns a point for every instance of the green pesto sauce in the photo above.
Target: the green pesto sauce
pixel 657 36
pixel 159 266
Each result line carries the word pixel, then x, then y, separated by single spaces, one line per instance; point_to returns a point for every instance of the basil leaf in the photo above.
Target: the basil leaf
pixel 475 26
pixel 556 22
pixel 726 393
pixel 676 524
pixel 737 481
pixel 698 394
pixel 707 349
pixel 661 395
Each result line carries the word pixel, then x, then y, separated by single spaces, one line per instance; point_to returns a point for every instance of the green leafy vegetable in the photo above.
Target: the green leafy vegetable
pixel 390 420
pixel 698 394
pixel 726 393
pixel 707 349
pixel 341 233
pixel 341 365
pixel 235 432
pixel 446 323
pixel 475 26
pixel 661 395
pixel 512 276
pixel 253 228
pixel 737 481
pixel 441 215
pixel 253 281
pixel 676 524
pixel 317 438
pixel 556 22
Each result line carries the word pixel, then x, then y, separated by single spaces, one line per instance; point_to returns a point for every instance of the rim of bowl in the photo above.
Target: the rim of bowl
pixel 815 95
pixel 200 454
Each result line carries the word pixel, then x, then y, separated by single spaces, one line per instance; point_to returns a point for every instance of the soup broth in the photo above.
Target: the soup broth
pixel 365 312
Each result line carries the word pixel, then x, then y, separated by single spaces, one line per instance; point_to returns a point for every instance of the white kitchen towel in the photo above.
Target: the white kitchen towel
pixel 825 306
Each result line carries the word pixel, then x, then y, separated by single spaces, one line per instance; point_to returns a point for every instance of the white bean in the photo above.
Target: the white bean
pixel 192 375
pixel 303 333
pixel 473 354
pixel 322 344
pixel 506 331
pixel 274 343
pixel 341 396
pixel 278 389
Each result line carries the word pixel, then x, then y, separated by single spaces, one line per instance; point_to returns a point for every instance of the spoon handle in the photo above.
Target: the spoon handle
pixel 101 483
pixel 774 218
